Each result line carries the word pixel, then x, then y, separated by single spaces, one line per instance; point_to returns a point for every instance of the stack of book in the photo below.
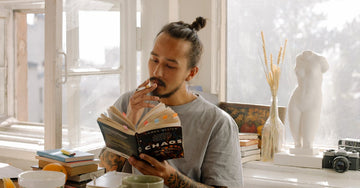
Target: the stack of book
pixel 80 166
pixel 249 147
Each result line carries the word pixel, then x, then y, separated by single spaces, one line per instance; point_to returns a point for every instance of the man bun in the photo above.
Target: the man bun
pixel 198 24
pixel 187 32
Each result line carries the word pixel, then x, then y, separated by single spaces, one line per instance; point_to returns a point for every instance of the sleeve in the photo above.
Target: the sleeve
pixel 123 101
pixel 222 162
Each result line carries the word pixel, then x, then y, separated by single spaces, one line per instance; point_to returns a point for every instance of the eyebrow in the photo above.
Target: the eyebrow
pixel 167 59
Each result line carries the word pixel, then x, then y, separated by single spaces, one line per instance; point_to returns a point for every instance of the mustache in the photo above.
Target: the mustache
pixel 158 81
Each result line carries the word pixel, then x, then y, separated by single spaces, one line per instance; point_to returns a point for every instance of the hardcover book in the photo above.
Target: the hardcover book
pixel 73 171
pixel 69 164
pixel 246 148
pixel 158 133
pixel 255 157
pixel 87 176
pixel 248 136
pixel 250 152
pixel 59 156
pixel 249 142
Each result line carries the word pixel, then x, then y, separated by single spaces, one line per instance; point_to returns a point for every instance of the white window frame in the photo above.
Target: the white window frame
pixel 7 10
pixel 6 15
pixel 53 73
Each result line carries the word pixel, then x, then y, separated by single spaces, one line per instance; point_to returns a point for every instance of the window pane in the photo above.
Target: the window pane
pixel 308 25
pixel 98 40
pixel 91 39
pixel 35 81
pixel 84 99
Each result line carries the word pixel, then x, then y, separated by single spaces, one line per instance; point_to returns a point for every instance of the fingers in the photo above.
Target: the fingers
pixel 146 82
pixel 136 99
pixel 141 101
pixel 146 89
pixel 142 166
pixel 149 165
pixel 150 160
pixel 140 98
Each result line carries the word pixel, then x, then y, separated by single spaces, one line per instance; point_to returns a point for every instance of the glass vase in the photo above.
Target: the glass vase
pixel 273 133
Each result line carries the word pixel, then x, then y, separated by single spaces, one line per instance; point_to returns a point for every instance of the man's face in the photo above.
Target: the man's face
pixel 168 65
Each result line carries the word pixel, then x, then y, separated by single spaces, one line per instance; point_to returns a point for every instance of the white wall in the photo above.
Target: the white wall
pixel 156 13
pixel 188 11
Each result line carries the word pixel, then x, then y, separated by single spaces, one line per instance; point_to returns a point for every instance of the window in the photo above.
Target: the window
pixel 94 36
pixel 92 44
pixel 329 27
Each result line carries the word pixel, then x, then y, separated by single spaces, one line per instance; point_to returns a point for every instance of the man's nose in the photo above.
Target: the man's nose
pixel 158 71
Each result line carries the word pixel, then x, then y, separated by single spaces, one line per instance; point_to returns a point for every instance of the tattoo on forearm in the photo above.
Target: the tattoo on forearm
pixel 181 181
pixel 111 161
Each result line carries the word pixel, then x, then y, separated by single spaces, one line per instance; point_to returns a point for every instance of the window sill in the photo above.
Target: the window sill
pixel 267 174
pixel 22 141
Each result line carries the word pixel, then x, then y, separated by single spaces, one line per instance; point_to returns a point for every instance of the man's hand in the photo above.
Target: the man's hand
pixel 111 161
pixel 138 101
pixel 172 178
pixel 152 166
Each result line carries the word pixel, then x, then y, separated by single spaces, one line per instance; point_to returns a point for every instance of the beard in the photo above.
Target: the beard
pixel 162 83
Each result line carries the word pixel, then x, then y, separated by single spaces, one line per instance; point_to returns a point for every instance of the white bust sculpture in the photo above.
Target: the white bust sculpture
pixel 305 102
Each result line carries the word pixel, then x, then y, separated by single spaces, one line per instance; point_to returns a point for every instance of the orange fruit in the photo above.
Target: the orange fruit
pixel 8 183
pixel 56 167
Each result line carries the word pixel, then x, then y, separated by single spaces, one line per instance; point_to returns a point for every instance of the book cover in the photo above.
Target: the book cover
pixel 69 164
pixel 250 117
pixel 249 142
pixel 158 133
pixel 59 156
pixel 73 171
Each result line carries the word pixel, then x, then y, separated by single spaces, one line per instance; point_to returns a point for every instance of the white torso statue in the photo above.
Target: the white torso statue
pixel 305 102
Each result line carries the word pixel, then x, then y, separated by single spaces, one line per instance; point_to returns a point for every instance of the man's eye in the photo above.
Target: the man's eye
pixel 154 60
pixel 170 67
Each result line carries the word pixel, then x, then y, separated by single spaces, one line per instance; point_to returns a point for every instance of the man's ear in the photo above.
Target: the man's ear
pixel 193 73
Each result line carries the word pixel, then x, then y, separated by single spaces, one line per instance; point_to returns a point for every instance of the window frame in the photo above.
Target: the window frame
pixel 53 117
pixel 5 14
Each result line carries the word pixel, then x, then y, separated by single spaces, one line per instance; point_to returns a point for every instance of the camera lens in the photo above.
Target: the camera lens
pixel 341 164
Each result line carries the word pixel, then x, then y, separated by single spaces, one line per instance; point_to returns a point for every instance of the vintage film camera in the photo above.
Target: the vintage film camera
pixel 341 160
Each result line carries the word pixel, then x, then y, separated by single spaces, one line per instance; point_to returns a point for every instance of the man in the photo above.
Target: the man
pixel 210 136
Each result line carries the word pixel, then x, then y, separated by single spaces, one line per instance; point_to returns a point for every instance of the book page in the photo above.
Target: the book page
pixel 108 121
pixel 158 109
pixel 154 126
pixel 161 117
pixel 116 115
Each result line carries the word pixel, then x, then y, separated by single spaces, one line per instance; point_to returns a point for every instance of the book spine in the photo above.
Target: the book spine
pixel 87 176
pixel 44 154
pixel 73 171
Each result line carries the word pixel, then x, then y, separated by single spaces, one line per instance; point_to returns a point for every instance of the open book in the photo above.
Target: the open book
pixel 157 134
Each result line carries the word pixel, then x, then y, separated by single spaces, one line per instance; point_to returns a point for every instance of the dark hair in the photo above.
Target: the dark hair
pixel 187 32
